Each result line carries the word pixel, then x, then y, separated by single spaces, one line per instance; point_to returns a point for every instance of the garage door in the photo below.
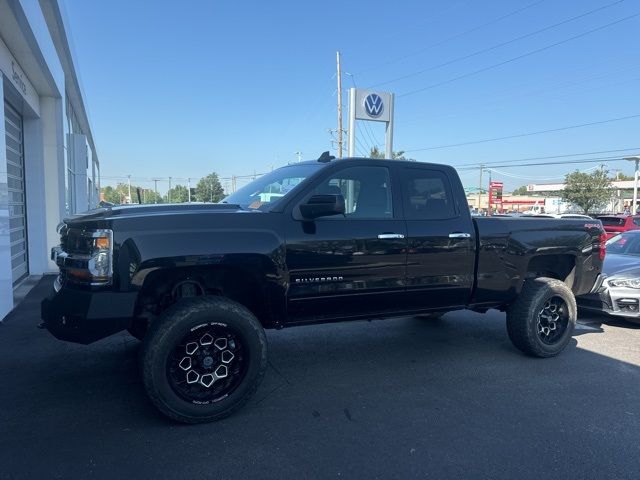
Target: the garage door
pixel 16 200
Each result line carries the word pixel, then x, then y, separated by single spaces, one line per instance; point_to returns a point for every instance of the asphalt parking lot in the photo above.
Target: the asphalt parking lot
pixel 405 398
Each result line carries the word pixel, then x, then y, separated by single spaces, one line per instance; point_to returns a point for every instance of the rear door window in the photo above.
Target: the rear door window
pixel 426 195
pixel 612 221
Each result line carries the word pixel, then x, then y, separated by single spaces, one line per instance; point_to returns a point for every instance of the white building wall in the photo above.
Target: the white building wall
pixel 6 289
pixel 36 76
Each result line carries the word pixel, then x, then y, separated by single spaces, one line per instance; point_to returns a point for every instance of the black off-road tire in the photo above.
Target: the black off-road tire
pixel 166 333
pixel 523 317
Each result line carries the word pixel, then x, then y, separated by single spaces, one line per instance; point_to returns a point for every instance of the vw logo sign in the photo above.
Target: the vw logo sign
pixel 373 105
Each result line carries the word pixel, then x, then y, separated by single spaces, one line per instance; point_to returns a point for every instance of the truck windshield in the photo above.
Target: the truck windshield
pixel 270 188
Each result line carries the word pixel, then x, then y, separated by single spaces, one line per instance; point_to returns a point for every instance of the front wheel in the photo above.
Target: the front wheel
pixel 203 359
pixel 541 321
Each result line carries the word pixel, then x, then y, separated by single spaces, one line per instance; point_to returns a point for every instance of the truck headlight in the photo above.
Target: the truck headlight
pixel 625 282
pixel 96 266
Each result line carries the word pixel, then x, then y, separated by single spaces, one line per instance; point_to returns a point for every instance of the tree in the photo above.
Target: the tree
pixel 116 195
pixel 147 195
pixel 520 191
pixel 377 153
pixel 178 194
pixel 588 191
pixel 110 195
pixel 209 189
pixel 622 176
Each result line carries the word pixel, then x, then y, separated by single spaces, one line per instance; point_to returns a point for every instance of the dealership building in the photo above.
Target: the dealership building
pixel 48 163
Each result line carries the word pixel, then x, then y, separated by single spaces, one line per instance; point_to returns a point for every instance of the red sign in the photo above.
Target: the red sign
pixel 495 194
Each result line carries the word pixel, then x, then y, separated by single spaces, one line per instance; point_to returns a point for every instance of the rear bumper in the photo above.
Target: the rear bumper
pixel 84 317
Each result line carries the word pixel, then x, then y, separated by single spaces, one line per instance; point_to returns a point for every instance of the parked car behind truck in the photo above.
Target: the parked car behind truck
pixel 347 239
pixel 619 293
pixel 615 224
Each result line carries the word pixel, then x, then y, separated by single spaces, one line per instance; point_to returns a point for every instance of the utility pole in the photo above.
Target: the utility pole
pixel 129 183
pixel 233 184
pixel 155 189
pixel 189 190
pixel 299 154
pixel 489 211
pixel 480 189
pixel 339 76
pixel 169 192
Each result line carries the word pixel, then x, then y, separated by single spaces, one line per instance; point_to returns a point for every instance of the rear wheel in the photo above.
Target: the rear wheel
pixel 203 359
pixel 541 321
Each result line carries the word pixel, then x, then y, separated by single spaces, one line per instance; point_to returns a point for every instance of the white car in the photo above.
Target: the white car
pixel 619 293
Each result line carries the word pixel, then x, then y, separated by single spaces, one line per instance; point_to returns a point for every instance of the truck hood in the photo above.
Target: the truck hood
pixel 132 211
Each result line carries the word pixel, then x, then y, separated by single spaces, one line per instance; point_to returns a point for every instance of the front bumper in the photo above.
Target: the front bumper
pixel 617 301
pixel 86 316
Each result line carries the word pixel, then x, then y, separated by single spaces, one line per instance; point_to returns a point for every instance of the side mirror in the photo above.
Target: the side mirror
pixel 322 206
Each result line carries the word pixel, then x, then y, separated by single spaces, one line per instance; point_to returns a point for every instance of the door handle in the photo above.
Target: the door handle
pixel 384 236
pixel 459 235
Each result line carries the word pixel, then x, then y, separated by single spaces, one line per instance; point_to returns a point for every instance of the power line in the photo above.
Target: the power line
pixel 432 17
pixel 566 162
pixel 493 106
pixel 458 35
pixel 565 155
pixel 525 177
pixel 519 57
pixel 520 135
pixel 499 45
pixel 363 147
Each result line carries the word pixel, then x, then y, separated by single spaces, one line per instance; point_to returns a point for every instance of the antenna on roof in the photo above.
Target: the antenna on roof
pixel 326 157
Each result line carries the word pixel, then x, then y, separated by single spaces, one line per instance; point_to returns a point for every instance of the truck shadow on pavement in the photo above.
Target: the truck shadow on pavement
pixel 597 321
pixel 388 398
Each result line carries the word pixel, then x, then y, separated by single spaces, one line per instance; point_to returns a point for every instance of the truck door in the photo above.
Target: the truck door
pixel 350 264
pixel 441 238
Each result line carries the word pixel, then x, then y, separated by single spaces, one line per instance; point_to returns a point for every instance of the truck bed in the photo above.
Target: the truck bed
pixel 508 246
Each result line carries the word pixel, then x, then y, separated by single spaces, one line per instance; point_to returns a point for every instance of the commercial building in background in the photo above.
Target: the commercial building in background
pixel 48 162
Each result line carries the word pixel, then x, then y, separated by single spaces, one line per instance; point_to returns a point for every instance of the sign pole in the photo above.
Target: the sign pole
pixel 339 75
pixel 388 141
pixel 352 122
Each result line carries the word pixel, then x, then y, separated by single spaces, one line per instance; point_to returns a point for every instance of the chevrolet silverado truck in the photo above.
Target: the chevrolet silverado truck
pixel 318 241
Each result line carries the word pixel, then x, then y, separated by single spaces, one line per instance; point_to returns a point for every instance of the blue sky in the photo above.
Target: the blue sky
pixel 184 88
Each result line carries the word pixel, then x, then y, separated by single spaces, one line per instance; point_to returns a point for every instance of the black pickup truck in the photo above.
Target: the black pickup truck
pixel 318 241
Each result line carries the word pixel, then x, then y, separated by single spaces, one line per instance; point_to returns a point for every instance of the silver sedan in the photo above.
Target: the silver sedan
pixel 619 293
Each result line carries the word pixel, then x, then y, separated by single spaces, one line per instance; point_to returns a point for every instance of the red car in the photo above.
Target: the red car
pixel 615 224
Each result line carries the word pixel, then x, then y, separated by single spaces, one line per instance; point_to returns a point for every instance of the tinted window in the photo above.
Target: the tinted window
pixel 366 192
pixel 426 195
pixel 612 221
pixel 636 221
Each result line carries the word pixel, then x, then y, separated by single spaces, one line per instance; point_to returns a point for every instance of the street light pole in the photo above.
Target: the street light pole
pixel 634 159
